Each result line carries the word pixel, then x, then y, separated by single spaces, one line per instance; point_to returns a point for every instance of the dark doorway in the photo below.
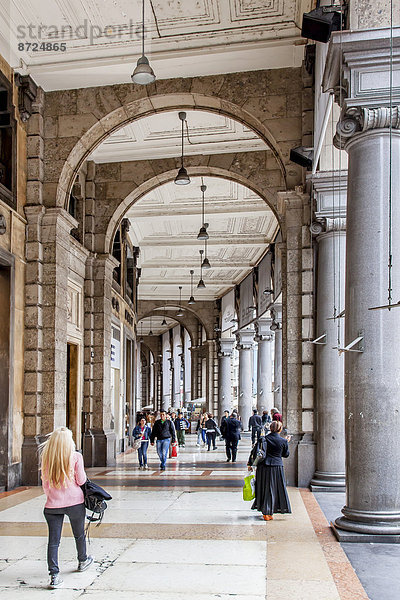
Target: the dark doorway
pixel 5 374
pixel 72 393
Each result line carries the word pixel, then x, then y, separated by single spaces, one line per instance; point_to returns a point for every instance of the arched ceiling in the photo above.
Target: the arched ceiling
pixel 159 136
pixel 165 223
pixel 184 38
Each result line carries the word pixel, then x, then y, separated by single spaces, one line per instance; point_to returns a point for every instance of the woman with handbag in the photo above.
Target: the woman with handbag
pixel 270 488
pixel 141 438
pixel 62 475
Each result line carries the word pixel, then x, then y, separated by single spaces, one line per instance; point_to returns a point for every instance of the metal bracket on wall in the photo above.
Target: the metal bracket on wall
pixel 355 342
pixel 318 342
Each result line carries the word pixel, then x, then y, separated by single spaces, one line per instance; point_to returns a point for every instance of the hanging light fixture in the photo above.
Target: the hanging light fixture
pixel 203 235
pixel 180 311
pixel 182 178
pixel 201 284
pixel 191 299
pixel 141 332
pixel 151 330
pixel 206 263
pixel 164 321
pixel 143 73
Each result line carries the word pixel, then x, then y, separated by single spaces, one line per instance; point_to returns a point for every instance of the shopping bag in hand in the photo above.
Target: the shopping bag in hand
pixel 249 487
pixel 174 452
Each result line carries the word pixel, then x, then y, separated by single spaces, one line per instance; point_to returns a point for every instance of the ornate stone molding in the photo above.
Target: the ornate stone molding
pixel 327 225
pixel 359 120
pixel 226 347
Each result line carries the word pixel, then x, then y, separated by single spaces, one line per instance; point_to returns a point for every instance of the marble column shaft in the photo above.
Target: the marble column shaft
pixel 330 459
pixel 265 340
pixel 225 375
pixel 245 346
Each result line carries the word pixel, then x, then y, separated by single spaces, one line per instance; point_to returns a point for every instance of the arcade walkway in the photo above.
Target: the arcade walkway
pixel 185 534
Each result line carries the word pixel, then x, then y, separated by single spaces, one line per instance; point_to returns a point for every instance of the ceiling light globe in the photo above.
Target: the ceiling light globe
pixel 182 177
pixel 143 73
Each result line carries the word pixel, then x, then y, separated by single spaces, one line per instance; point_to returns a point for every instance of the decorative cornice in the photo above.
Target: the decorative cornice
pixel 359 120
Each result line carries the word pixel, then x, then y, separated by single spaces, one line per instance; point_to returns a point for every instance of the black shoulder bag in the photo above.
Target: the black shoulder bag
pixel 95 501
pixel 261 452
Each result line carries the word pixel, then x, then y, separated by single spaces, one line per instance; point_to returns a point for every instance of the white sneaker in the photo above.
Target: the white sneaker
pixel 146 468
pixel 55 582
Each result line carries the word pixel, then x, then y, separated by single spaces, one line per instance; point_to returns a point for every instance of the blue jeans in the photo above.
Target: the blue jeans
pixel 142 453
pixel 55 519
pixel 162 450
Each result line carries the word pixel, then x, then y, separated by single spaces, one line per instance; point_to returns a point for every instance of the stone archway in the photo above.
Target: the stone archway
pixel 261 185
pixel 144 107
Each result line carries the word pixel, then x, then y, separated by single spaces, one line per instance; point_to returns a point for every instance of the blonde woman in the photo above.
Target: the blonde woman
pixel 62 475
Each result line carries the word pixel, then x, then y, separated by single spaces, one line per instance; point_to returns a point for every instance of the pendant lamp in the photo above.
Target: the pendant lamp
pixel 191 299
pixel 143 73
pixel 180 311
pixel 203 235
pixel 182 177
pixel 206 263
pixel 201 284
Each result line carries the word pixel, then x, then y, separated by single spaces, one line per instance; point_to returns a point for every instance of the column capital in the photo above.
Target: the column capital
pixel 245 339
pixel 359 120
pixel 321 227
pixel 226 346
pixel 263 331
pixel 330 193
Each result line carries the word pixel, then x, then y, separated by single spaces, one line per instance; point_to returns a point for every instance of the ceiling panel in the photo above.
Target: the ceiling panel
pixel 190 38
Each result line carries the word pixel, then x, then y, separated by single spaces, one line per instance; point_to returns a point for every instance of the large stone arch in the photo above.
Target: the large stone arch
pixel 77 121
pixel 260 185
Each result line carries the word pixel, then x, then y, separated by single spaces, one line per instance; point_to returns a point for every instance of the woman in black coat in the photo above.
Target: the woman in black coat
pixel 270 489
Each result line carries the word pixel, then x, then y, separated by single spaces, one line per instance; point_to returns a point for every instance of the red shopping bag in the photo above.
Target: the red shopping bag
pixel 174 452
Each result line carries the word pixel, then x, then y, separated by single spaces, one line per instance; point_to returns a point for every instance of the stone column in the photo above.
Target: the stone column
pixel 265 339
pixel 372 414
pixel 245 346
pixel 225 375
pixel 278 359
pixel 104 451
pixel 330 457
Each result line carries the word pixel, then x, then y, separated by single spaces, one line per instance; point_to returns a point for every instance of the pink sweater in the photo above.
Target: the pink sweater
pixel 70 495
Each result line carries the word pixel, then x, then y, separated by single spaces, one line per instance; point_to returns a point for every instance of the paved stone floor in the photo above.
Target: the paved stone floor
pixel 184 534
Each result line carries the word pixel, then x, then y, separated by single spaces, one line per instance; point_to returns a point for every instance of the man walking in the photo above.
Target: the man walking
pixel 164 431
pixel 181 424
pixel 231 432
pixel 255 424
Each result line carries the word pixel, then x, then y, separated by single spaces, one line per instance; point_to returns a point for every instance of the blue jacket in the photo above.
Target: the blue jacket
pixel 137 432
pixel 178 424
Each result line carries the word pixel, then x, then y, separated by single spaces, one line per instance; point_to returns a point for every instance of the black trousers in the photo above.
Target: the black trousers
pixel 55 520
pixel 231 449
pixel 211 438
pixel 255 431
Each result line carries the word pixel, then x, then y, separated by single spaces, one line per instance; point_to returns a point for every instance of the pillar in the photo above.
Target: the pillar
pixel 245 347
pixel 225 375
pixel 278 359
pixel 369 130
pixel 102 428
pixel 264 339
pixel 330 456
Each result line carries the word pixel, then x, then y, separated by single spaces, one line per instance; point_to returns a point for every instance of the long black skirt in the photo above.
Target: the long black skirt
pixel 270 491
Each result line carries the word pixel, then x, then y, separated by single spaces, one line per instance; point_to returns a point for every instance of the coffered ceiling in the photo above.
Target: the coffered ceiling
pixel 165 223
pixel 183 38
pixel 159 136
